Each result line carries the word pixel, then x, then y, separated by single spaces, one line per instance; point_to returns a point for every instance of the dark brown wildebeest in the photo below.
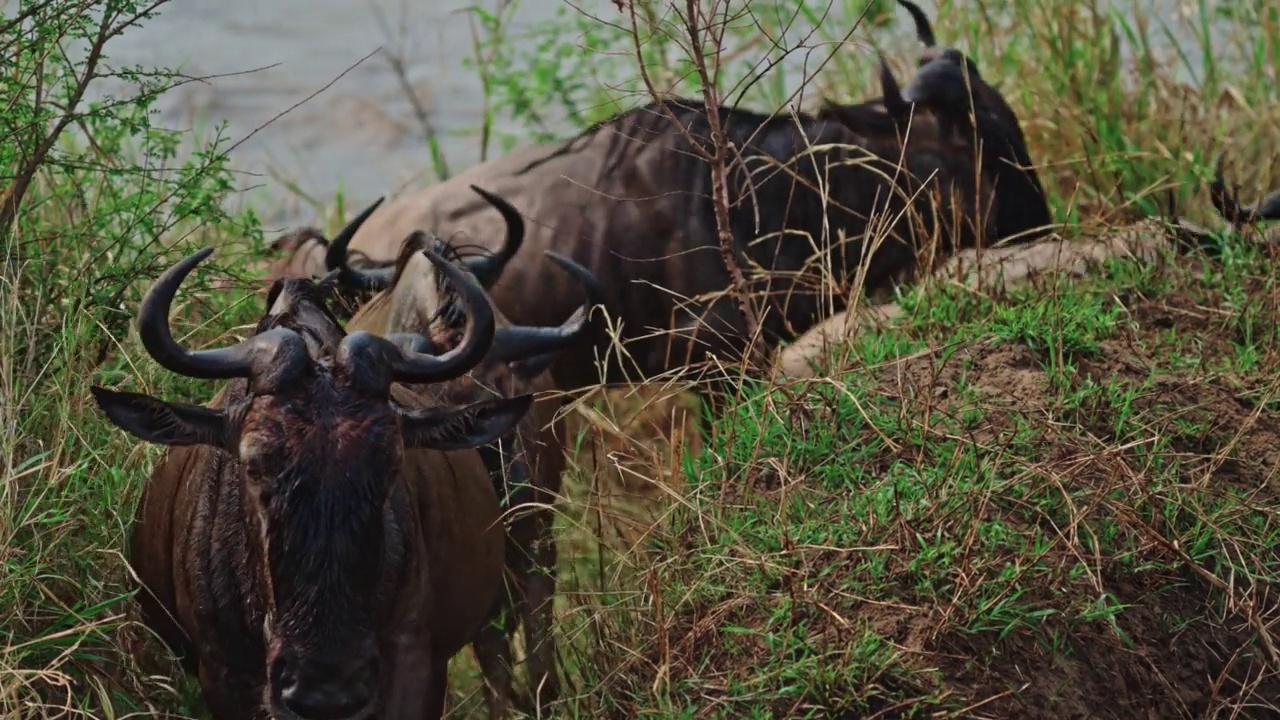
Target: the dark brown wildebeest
pixel 630 200
pixel 319 540
pixel 949 81
pixel 526 465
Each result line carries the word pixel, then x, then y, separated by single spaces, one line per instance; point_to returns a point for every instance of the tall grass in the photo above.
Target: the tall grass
pixel 851 540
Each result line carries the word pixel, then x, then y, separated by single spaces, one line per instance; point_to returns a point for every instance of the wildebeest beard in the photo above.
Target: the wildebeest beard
pixel 324 535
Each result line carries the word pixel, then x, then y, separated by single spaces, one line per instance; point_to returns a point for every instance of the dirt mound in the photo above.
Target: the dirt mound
pixel 1170 653
pixel 1009 520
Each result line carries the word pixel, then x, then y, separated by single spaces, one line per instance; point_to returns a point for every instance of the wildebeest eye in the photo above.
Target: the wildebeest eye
pixel 257 457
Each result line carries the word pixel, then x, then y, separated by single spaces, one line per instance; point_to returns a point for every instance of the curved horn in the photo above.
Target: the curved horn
pixel 335 259
pixel 488 268
pixel 898 108
pixel 1227 205
pixel 409 365
pixel 337 253
pixel 221 363
pixel 524 342
pixel 924 31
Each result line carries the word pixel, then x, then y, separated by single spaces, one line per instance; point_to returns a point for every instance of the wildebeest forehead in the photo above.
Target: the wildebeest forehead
pixel 333 436
pixel 300 305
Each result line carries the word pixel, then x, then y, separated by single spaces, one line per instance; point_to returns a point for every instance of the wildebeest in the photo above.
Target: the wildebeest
pixel 319 540
pixel 305 252
pixel 1000 269
pixel 526 465
pixel 630 200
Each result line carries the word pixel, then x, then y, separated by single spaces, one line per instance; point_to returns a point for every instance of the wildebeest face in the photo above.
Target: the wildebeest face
pixel 319 444
pixel 318 462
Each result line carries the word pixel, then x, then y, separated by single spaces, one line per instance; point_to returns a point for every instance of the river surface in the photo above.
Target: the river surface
pixel 361 135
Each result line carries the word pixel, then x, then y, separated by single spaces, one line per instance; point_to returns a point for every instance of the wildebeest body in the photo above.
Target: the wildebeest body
pixel 631 200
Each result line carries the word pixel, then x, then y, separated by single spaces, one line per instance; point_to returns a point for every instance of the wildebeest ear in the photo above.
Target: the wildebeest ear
pixel 466 427
pixel 161 422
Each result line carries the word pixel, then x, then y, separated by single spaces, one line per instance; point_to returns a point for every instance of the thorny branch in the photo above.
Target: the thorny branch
pixel 26 171
pixel 717 156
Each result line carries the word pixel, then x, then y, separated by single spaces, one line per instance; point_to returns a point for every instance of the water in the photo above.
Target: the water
pixel 360 135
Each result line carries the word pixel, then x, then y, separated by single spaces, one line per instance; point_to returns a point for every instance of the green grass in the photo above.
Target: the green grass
pixel 1042 488
pixel 1012 504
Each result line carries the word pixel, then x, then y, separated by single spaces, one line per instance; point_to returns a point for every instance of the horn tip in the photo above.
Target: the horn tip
pixel 481 191
pixel 566 262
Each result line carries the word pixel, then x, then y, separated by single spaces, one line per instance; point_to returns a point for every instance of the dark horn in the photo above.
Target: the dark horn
pixel 488 268
pixel 1223 200
pixel 337 254
pixel 898 108
pixel 924 31
pixel 525 342
pixel 411 366
pixel 335 259
pixel 221 363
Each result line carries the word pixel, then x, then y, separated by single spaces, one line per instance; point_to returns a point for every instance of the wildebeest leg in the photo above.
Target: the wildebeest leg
pixel 417 687
pixel 229 698
pixel 492 647
pixel 537 609
pixel 437 690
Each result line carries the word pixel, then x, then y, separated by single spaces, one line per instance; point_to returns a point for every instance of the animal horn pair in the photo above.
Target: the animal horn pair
pixel 279 352
pixel 487 268
pixel 525 342
pixel 924 33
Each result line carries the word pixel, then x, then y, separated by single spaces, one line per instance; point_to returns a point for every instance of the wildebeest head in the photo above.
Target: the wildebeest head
pixel 486 268
pixel 948 82
pixel 304 248
pixel 966 105
pixel 1225 202
pixel 317 442
pixel 420 295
